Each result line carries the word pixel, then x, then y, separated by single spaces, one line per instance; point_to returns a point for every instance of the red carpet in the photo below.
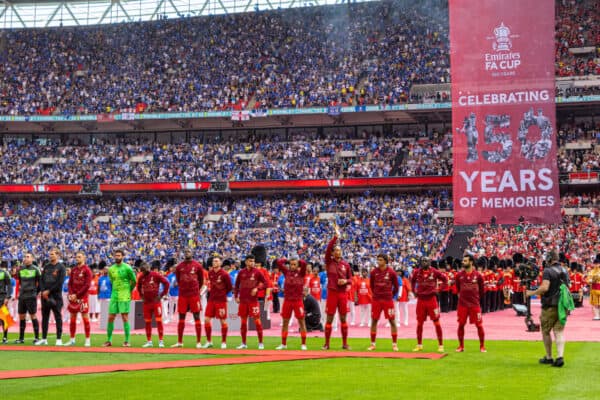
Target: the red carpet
pixel 238 357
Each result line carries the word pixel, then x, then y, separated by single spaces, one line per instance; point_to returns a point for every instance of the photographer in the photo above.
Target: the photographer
pixel 554 275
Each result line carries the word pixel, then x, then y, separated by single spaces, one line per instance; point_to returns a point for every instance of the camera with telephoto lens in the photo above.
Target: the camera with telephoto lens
pixel 528 271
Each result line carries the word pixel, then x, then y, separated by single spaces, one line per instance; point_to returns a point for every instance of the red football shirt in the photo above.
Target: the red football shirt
pixel 336 270
pixel 220 285
pixel 93 285
pixel 294 280
pixel 384 284
pixel 190 278
pixel 148 286
pixel 424 282
pixel 470 288
pixel 262 292
pixel 315 287
pixel 443 287
pixel 363 291
pixel 79 281
pixel 248 279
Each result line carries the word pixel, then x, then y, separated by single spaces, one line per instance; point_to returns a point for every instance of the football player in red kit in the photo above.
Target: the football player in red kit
pixel 424 283
pixel 384 286
pixel 247 284
pixel 190 278
pixel 148 286
pixel 339 282
pixel 469 283
pixel 216 307
pixel 79 286
pixel 293 297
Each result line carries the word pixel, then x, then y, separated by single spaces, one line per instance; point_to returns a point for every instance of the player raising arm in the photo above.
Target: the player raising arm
pixel 339 281
pixel 292 297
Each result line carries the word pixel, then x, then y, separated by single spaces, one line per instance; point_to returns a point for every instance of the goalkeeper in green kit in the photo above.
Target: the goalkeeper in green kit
pixel 122 278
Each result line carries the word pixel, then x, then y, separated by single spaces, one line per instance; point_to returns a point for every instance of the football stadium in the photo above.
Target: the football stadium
pixel 261 199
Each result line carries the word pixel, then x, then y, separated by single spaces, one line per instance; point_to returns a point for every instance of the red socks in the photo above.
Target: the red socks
pixel 180 326
pixel 224 327
pixel 420 333
pixel 244 330
pixel 73 326
pixel 481 334
pixel 438 332
pixel 345 333
pixel 327 334
pixel 259 330
pixel 208 330
pixel 159 328
pixel 284 335
pixel 148 327
pixel 461 335
pixel 198 330
pixel 86 327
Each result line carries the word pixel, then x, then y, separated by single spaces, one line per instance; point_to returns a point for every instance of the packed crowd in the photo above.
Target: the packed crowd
pixel 286 58
pixel 586 159
pixel 577 27
pixel 369 53
pixel 405 226
pixel 577 237
pixel 569 133
pixel 587 200
pixel 306 155
pixel 579 160
pixel 301 156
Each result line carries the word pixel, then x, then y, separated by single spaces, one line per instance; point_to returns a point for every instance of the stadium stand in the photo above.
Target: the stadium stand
pixel 405 226
pixel 354 54
pixel 302 155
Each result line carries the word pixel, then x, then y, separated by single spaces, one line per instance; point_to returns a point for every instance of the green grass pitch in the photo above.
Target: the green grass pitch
pixel 509 370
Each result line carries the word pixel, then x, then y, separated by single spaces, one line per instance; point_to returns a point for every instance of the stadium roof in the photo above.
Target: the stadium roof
pixel 47 13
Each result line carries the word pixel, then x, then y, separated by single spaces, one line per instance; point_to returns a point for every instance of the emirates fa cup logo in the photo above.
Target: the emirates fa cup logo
pixel 502 42
pixel 503 60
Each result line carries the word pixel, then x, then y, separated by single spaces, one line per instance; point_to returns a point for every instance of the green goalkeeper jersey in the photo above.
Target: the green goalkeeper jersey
pixel 122 279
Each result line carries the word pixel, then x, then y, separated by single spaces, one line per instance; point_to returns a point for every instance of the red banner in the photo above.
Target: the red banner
pixel 239 186
pixel 340 183
pixel 105 117
pixel 503 111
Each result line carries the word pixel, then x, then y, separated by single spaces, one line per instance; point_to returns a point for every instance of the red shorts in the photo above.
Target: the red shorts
pixel 289 306
pixel 337 301
pixel 382 305
pixel 473 313
pixel 152 308
pixel 188 303
pixel 427 308
pixel 216 309
pixel 251 310
pixel 79 306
